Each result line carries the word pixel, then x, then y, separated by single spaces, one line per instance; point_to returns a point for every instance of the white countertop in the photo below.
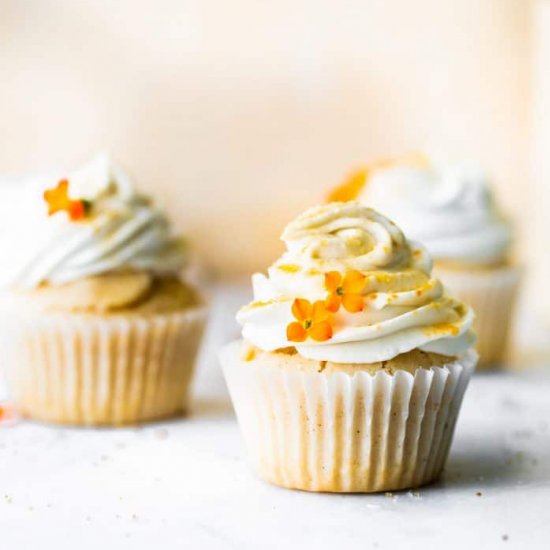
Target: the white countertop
pixel 186 483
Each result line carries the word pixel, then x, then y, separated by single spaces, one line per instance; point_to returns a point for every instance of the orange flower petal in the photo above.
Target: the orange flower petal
pixel 301 309
pixel 8 414
pixel 353 302
pixel 321 331
pixel 77 210
pixel 319 312
pixel 350 188
pixel 295 332
pixel 332 280
pixel 58 198
pixel 332 303
pixel 354 282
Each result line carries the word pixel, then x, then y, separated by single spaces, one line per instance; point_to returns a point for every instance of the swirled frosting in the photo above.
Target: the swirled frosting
pixel 447 206
pixel 404 308
pixel 123 231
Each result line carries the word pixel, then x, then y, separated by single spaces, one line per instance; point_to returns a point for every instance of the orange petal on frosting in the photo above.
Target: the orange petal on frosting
pixel 301 309
pixel 58 197
pixel 353 302
pixel 354 282
pixel 332 303
pixel 321 331
pixel 295 332
pixel 77 210
pixel 319 312
pixel 332 280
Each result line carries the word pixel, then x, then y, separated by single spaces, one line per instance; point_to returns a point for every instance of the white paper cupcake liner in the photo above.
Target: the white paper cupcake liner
pixel 342 432
pixel 492 294
pixel 93 369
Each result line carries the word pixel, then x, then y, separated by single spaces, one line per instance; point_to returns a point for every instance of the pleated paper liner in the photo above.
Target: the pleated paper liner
pixel 492 294
pixel 93 369
pixel 342 432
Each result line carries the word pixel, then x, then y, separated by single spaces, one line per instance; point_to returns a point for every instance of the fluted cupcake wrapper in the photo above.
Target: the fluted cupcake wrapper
pixel 492 294
pixel 342 432
pixel 92 369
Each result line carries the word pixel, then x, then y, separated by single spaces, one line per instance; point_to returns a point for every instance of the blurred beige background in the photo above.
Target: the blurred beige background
pixel 240 114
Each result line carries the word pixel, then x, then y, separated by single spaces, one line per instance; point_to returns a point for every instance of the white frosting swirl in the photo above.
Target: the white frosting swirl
pixel 123 231
pixel 446 206
pixel 404 308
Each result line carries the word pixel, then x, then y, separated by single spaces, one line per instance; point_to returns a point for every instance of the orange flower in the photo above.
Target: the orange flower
pixel 8 414
pixel 344 291
pixel 350 188
pixel 312 320
pixel 58 200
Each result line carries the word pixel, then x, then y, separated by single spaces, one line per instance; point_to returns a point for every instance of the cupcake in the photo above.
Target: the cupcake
pixel 353 362
pixel 450 209
pixel 98 327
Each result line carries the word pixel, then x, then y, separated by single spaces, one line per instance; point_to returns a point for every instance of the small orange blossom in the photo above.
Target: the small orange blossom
pixel 350 188
pixel 312 320
pixel 344 291
pixel 8 414
pixel 355 182
pixel 58 199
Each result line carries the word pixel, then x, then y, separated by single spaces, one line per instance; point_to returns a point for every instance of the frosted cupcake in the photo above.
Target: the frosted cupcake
pixel 450 209
pixel 354 360
pixel 97 325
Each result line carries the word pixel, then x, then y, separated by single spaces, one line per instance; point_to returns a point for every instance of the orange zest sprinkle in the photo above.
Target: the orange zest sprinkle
pixel 350 188
pixel 312 320
pixel 289 268
pixel 443 328
pixel 58 200
pixel 345 291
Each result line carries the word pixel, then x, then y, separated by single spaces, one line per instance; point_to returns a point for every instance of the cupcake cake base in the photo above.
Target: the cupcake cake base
pixel 101 370
pixel 365 428
pixel 492 294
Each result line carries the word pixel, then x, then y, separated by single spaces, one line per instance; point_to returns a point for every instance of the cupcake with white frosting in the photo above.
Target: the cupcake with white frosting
pixel 449 207
pixel 354 360
pixel 98 325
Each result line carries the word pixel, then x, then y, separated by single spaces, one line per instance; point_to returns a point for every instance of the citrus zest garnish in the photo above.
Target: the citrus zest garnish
pixel 312 320
pixel 289 268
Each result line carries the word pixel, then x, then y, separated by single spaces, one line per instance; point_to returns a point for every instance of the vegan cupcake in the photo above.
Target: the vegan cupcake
pixel 97 325
pixel 449 207
pixel 354 360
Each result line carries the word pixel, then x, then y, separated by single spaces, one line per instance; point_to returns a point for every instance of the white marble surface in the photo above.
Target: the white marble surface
pixel 186 484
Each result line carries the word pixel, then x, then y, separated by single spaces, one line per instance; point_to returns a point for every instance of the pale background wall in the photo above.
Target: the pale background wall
pixel 239 114
pixel 539 228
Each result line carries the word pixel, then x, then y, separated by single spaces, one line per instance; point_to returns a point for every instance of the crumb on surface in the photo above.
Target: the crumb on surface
pixel 162 433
